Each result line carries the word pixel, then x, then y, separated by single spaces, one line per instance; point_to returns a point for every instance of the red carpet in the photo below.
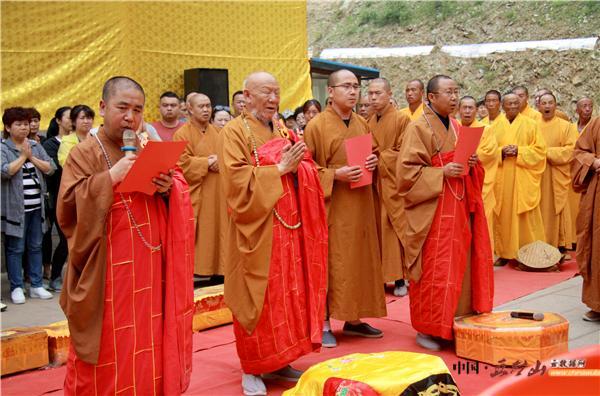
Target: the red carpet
pixel 217 370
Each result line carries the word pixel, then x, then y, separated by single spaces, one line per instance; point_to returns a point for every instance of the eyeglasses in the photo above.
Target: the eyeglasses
pixel 347 87
pixel 455 92
pixel 221 108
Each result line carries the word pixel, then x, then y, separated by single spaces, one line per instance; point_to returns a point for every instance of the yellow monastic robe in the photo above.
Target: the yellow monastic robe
pixel 532 113
pixel 416 114
pixel 486 120
pixel 355 274
pixel 387 135
pixel 210 210
pixel 490 157
pixel 518 219
pixel 560 137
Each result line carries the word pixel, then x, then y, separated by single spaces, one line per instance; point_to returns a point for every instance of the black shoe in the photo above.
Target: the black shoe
pixel 362 330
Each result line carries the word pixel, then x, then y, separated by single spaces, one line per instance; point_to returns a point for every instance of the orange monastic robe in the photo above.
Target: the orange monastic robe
pixel 448 251
pixel 387 133
pixel 275 249
pixel 587 182
pixel 518 220
pixel 413 115
pixel 210 210
pixel 129 306
pixel 355 274
pixel 560 137
pixel 574 197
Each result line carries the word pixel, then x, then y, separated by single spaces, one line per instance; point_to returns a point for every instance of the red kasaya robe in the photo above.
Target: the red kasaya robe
pixel 146 342
pixel 291 321
pixel 457 227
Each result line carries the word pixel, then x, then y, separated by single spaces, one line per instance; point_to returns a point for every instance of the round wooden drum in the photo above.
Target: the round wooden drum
pixel 497 338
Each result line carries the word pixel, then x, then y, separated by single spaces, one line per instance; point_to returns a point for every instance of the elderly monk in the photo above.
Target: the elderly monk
pixel 201 170
pixel 585 170
pixel 558 112
pixel 387 125
pixel 560 137
pixel 276 243
pixel 448 251
pixel 364 107
pixel 355 274
pixel 518 219
pixel 492 101
pixel 488 155
pixel 128 294
pixel 524 108
pixel 414 97
pixel 584 110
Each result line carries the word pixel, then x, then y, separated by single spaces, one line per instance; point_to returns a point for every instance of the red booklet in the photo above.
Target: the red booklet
pixel 358 149
pixel 466 143
pixel 155 158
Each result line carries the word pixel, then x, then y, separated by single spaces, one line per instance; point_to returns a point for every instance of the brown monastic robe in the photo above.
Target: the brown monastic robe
pixel 210 210
pixel 252 193
pixel 586 181
pixel 355 275
pixel 88 187
pixel 387 135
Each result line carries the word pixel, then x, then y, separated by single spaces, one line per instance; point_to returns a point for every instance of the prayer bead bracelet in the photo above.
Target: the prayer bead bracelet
pixel 127 208
pixel 255 152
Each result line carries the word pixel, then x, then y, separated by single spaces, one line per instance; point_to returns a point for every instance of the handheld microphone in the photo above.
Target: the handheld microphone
pixel 129 142
pixel 537 316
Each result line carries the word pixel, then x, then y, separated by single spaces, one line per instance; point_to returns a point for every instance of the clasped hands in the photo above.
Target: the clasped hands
pixel 352 174
pixel 291 156
pixel 510 151
pixel 162 182
pixel 454 169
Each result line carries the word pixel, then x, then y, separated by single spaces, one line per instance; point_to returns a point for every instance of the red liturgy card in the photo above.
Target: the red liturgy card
pixel 466 143
pixel 358 149
pixel 155 158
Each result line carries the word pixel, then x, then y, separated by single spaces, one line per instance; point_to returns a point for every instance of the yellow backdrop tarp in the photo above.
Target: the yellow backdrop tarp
pixel 60 53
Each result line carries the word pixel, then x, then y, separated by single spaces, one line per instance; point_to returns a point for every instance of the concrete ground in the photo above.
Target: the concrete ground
pixel 563 298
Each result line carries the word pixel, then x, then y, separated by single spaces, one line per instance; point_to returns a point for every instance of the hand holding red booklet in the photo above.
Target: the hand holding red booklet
pixel 358 148
pixel 155 158
pixel 466 143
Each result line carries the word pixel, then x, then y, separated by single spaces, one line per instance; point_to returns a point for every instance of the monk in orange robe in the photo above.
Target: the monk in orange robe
pixel 492 101
pixel 128 294
pixel 524 108
pixel 276 243
pixel 557 112
pixel 448 251
pixel 488 154
pixel 355 273
pixel 560 137
pixel 585 170
pixel 414 97
pixel 518 219
pixel 201 170
pixel 387 126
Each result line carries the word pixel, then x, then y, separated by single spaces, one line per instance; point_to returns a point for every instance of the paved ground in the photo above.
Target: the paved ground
pixel 563 298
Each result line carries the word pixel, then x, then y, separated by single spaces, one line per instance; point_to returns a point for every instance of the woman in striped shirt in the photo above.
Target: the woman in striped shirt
pixel 24 164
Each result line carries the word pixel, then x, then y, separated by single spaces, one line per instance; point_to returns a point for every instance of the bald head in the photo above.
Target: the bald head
pixel 381 82
pixel 195 97
pixel 258 78
pixel 585 109
pixel 511 105
pixel 262 95
pixel 118 83
pixel 189 96
pixel 338 75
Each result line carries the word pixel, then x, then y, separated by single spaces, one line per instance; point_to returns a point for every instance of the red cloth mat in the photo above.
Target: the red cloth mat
pixel 216 369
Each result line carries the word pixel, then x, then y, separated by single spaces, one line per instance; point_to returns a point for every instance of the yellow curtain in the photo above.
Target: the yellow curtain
pixel 60 53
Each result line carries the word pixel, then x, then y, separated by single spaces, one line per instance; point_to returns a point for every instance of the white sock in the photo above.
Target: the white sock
pixel 326 325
